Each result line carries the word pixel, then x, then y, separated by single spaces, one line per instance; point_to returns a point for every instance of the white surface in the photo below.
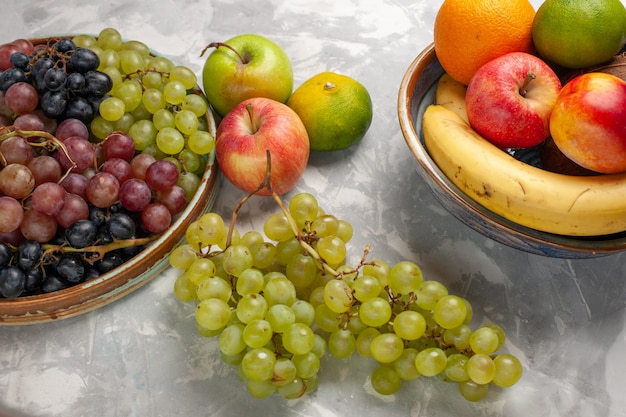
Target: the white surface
pixel 140 356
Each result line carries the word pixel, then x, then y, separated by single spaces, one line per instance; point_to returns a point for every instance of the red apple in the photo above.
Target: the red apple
pixel 588 122
pixel 509 100
pixel 253 127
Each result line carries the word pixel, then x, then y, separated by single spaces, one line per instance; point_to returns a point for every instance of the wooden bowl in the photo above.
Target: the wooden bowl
pixel 417 91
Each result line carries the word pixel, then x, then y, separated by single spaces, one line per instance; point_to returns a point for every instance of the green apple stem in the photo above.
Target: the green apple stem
pixel 524 88
pixel 219 44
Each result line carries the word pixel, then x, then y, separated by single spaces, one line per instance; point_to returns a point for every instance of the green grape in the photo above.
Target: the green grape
pixel 355 325
pixel 456 368
pixel 364 341
pixel 184 290
pixel 250 238
pixel 341 343
pixel 189 182
pixel 405 277
pixel 130 92
pixel 232 360
pixel 258 364
pixel 257 333
pixel 409 325
pixel 201 142
pixel 191 161
pixel 303 208
pixel 96 50
pixel 204 332
pixel 458 337
pixel 375 312
pixel 191 236
pixel 279 291
pixel 234 239
pixel 153 100
pixel 84 40
pixel 385 380
pixel 481 369
pixel 152 79
pixel 109 38
pixel 405 365
pixel 298 339
pixel 508 370
pixel 378 269
pixel 325 318
pixel 250 281
pixel 263 254
pixel 170 140
pixel 124 123
pixel 184 75
pixel 231 340
pixel 431 361
pixel 325 225
pixel 212 313
pixel 186 122
pixel 484 340
pixel 143 133
pixel 284 372
pixel 131 61
pixel 450 311
pixel 160 64
pixel 429 293
pixel 301 270
pixel 100 127
pixel 280 317
pixel 344 231
pixel 472 391
pixel 319 345
pixel 260 389
pixel 138 46
pixel 307 365
pixel 386 347
pixel 346 273
pixel 276 227
pixel 163 118
pixel 338 296
pixel 214 287
pixel 112 109
pixel 201 269
pixel 366 287
pixel 332 249
pixel 316 297
pixel 499 331
pixel 211 228
pixel 116 77
pixel 195 103
pixel 109 59
pixel 140 112
pixel 251 307
pixel 294 389
pixel 174 92
pixel 304 312
pixel 286 250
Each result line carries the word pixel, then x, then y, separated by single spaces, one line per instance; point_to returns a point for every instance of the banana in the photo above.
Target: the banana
pixel 451 95
pixel 538 199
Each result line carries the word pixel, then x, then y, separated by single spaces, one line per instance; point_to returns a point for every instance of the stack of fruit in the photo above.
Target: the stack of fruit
pixel 516 78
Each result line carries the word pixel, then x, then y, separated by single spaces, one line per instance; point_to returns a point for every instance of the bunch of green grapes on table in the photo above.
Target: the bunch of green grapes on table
pixel 279 300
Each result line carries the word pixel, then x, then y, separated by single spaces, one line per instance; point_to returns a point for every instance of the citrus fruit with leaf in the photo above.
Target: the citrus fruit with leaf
pixel 470 33
pixel 579 33
pixel 335 109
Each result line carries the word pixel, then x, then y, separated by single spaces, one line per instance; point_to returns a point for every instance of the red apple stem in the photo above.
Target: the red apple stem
pixel 219 44
pixel 524 88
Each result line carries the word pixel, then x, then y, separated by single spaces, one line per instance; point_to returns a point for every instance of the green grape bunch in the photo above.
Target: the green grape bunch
pixel 280 299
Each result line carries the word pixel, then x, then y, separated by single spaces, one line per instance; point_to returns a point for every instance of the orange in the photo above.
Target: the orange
pixel 470 33
pixel 336 110
pixel 579 33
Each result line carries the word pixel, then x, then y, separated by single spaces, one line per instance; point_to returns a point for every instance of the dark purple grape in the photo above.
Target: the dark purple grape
pixel 71 268
pixel 64 45
pixel 52 283
pixel 20 60
pixel 75 82
pixel 54 78
pixel 91 273
pixel 34 278
pixel 97 215
pixel 12 76
pixel 29 254
pixel 5 254
pixel 83 60
pixel 53 103
pixel 81 234
pixel 97 83
pixel 40 67
pixel 109 261
pixel 12 281
pixel 79 108
pixel 120 226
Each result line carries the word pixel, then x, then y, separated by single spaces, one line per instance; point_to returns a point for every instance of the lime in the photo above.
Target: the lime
pixel 579 33
pixel 336 110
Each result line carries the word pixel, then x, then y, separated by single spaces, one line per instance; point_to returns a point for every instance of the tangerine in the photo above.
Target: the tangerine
pixel 470 33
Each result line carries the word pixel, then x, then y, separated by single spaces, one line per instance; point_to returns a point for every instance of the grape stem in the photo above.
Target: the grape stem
pixel 98 251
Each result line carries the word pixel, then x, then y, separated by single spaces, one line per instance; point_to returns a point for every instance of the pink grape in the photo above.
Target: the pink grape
pixel 140 164
pixel 135 194
pixel 21 98
pixel 79 150
pixel 45 169
pixel 13 238
pixel 75 183
pixel 11 214
pixel 30 121
pixel 162 175
pixel 38 226
pixel 6 50
pixel 48 198
pixel 16 181
pixel 102 190
pixel 119 145
pixel 175 199
pixel 16 150
pixel 75 208
pixel 119 167
pixel 156 218
pixel 71 127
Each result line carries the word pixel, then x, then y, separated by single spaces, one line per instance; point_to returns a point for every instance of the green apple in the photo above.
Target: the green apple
pixel 244 67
